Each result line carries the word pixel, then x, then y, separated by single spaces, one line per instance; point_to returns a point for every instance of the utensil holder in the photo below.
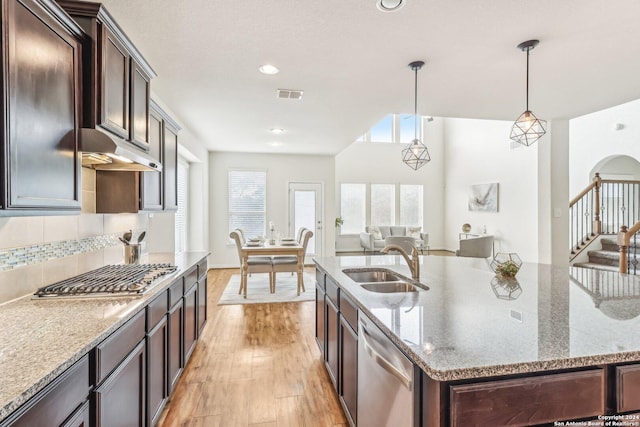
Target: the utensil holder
pixel 132 253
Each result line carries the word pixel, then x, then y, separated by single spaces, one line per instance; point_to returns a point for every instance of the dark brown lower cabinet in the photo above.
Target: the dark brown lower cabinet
pixel 331 358
pixel 320 324
pixel 190 321
pixel 156 371
pixel 174 345
pixel 348 389
pixel 80 418
pixel 120 399
pixel 58 401
pixel 202 303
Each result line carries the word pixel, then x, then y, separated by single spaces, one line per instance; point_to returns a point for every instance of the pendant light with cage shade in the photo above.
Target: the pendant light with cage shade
pixel 416 155
pixel 527 128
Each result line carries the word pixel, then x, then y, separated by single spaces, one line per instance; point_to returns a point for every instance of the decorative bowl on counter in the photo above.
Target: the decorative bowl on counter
pixel 506 264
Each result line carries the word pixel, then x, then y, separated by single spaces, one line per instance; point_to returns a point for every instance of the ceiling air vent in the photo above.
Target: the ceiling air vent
pixel 290 93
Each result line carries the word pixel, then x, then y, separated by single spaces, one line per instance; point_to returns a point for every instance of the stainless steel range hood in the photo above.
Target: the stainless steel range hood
pixel 103 151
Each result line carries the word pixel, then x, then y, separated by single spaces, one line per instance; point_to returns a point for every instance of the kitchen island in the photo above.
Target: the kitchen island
pixel 486 346
pixel 41 340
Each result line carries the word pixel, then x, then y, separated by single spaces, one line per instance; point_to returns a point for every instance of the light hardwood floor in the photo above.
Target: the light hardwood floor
pixel 254 365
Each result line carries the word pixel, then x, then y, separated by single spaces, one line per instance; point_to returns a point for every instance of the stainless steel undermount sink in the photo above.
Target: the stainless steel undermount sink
pixel 382 280
pixel 371 275
pixel 389 287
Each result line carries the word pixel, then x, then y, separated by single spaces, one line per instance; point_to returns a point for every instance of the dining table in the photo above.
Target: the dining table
pixel 271 248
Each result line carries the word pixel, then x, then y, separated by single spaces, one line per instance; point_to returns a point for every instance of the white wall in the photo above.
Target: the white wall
pixel 477 152
pixel 281 169
pixel 382 164
pixel 593 138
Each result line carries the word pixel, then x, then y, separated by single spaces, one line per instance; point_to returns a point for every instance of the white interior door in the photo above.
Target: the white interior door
pixel 305 210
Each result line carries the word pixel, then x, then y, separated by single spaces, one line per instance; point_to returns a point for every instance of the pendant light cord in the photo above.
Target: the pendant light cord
pixel 527 98
pixel 415 105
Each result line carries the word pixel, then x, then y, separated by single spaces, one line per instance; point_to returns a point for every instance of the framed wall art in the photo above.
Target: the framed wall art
pixel 484 197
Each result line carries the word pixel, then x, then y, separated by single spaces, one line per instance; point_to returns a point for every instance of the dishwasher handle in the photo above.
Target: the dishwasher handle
pixel 381 361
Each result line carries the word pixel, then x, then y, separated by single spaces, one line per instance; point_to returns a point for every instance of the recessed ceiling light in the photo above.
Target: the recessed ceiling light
pixel 390 5
pixel 277 131
pixel 275 144
pixel 268 69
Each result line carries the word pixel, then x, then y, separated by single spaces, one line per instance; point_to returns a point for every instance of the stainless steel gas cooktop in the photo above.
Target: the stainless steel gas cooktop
pixel 110 280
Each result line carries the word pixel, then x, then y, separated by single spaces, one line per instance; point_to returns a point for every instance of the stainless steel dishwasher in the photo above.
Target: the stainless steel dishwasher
pixel 385 380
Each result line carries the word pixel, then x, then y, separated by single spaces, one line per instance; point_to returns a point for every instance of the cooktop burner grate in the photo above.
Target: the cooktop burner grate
pixel 110 280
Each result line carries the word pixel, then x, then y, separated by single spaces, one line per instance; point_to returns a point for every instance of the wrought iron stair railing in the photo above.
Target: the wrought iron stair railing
pixel 602 208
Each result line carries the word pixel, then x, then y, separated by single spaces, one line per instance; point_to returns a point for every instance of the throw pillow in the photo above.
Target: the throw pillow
pixel 414 232
pixel 377 235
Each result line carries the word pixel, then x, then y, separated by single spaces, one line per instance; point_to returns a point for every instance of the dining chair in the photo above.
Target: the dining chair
pixel 290 263
pixel 255 264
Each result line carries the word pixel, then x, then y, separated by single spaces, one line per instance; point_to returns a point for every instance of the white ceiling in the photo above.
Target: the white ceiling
pixel 351 61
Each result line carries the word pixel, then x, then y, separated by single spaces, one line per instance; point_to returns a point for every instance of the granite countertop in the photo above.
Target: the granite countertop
pixel 465 326
pixel 39 339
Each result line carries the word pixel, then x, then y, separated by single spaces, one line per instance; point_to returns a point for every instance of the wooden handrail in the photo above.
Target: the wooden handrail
pixel 619 181
pixel 624 240
pixel 582 193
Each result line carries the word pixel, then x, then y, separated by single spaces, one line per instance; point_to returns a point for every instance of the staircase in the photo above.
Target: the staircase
pixel 608 258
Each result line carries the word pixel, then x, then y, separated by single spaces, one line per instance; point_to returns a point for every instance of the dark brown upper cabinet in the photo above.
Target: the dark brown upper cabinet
pixel 170 170
pixel 41 60
pixel 159 191
pixel 117 78
pixel 151 194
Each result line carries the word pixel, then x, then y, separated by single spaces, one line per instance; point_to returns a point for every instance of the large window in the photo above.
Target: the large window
pixel 411 205
pixel 395 128
pixel 380 204
pixel 247 201
pixel 353 207
pixel 183 203
pixel 383 204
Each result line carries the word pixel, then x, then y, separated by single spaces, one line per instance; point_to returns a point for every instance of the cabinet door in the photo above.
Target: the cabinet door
pixel 42 90
pixel 170 168
pixel 151 182
pixel 332 341
pixel 348 369
pixel 156 371
pixel 176 339
pixel 80 418
pixel 114 108
pixel 120 400
pixel 140 91
pixel 190 321
pixel 320 320
pixel 202 303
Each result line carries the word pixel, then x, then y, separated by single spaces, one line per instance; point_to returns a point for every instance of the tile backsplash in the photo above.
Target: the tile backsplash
pixel 36 251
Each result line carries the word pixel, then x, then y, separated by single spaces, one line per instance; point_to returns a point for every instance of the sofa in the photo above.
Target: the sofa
pixel 476 247
pixel 373 238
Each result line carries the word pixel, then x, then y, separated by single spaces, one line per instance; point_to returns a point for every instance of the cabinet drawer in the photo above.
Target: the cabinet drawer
pixel 175 292
pixel 190 277
pixel 320 278
pixel 202 269
pixel 157 310
pixel 349 311
pixel 57 401
pixel 332 291
pixel 628 388
pixel 111 351
pixel 527 401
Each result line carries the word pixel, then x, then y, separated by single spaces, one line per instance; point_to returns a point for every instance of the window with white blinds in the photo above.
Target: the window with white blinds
pixel 183 203
pixel 247 201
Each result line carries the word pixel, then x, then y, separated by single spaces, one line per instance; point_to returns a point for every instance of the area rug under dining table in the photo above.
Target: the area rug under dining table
pixel 258 289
